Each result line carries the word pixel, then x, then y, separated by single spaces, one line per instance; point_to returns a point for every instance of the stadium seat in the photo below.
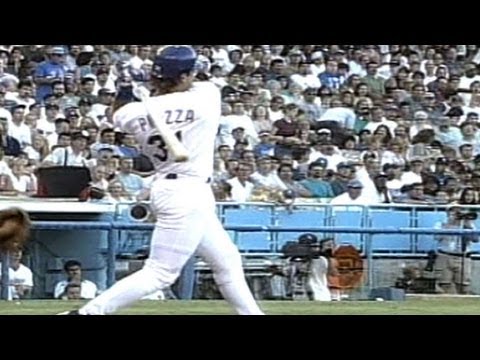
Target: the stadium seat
pixel 250 241
pixel 427 219
pixel 394 219
pixel 352 216
pixel 297 218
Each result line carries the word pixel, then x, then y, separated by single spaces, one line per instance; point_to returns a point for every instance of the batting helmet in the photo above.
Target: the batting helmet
pixel 173 61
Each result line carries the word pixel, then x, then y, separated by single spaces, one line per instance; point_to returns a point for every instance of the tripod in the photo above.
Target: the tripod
pixel 465 239
pixel 298 279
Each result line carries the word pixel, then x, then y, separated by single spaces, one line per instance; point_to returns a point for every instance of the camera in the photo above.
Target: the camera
pixel 469 215
pixel 307 247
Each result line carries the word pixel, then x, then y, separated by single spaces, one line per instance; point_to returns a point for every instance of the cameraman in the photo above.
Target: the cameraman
pixel 453 263
pixel 313 267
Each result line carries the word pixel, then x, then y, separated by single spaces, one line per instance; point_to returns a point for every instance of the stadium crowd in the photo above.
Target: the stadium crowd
pixel 346 124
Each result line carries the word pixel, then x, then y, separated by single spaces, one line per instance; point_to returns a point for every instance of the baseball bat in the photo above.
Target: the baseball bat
pixel 175 147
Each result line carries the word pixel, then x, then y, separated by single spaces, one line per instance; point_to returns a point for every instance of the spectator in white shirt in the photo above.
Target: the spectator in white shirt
pixel 20 277
pixel 304 78
pixel 137 61
pixel 241 185
pixel 17 128
pixel 353 196
pixel 73 269
pixel 73 155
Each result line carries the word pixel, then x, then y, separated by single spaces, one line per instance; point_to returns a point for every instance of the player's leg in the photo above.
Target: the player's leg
pixel 173 243
pixel 222 255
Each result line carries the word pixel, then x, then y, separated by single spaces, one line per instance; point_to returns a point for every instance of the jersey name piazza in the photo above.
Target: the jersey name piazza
pixel 195 125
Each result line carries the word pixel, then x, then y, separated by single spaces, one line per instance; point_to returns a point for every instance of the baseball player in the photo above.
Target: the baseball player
pixel 181 195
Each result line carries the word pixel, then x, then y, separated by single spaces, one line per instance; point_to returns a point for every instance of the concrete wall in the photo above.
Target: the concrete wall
pixel 386 271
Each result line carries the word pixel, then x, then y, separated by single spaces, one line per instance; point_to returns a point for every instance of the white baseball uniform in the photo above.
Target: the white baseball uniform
pixel 183 202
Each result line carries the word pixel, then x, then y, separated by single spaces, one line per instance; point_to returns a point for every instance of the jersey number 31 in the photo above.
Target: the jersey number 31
pixel 161 152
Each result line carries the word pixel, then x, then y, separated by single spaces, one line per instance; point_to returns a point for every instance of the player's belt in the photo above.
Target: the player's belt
pixel 173 176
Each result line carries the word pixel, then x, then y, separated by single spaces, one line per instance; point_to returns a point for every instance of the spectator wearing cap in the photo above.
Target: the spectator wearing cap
pixel 328 152
pixel 420 122
pixel 73 155
pixel 295 57
pixel 49 71
pixel 441 171
pixel 414 194
pixel 315 183
pixel 84 62
pixel 107 140
pixel 323 136
pixel 73 116
pixel 353 195
pixel 344 173
pixel 265 147
pixel 264 176
pixel 318 65
pixel 85 108
pixel 18 129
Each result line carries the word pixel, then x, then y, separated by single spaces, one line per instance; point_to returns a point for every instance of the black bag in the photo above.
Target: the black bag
pixel 63 181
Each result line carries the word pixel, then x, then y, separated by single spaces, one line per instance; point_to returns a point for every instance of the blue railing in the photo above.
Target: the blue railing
pixel 260 227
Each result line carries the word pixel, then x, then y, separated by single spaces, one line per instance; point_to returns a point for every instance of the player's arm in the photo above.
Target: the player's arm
pixel 131 118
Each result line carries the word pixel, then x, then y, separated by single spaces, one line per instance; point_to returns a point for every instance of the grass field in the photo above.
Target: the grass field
pixel 427 306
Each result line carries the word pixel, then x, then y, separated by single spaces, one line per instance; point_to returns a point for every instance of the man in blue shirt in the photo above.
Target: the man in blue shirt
pixel 315 182
pixel 49 72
